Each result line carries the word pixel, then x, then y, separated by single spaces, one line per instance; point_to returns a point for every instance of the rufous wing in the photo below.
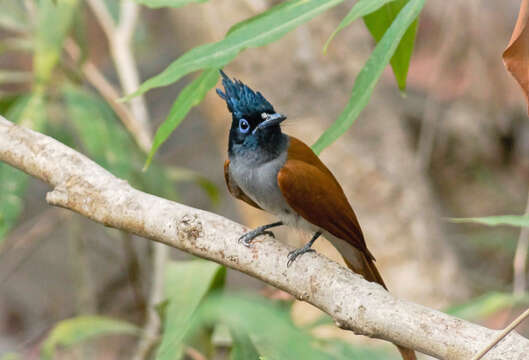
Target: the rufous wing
pixel 234 189
pixel 313 192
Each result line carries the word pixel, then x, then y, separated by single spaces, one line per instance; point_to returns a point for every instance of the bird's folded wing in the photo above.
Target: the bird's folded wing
pixel 234 189
pixel 313 192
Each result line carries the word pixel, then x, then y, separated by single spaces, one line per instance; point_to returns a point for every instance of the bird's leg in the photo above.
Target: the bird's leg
pixel 247 238
pixel 305 249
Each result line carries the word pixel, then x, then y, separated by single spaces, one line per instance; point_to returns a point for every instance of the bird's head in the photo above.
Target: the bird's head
pixel 255 124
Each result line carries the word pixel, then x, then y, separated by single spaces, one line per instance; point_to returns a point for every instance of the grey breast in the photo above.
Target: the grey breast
pixel 259 181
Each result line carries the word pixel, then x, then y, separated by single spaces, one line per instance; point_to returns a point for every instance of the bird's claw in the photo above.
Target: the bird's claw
pixel 247 238
pixel 295 253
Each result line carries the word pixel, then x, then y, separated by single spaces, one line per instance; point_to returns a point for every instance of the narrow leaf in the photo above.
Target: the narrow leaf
pixel 178 174
pixel 511 220
pixel 486 305
pixel 269 326
pixel 367 78
pixel 360 9
pixel 53 24
pixel 100 132
pixel 242 346
pixel 155 4
pixel 186 285
pixel 190 96
pixel 516 55
pixel 257 31
pixel 76 330
pixel 378 22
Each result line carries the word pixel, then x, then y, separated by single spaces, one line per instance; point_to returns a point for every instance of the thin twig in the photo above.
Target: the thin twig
pixel 119 40
pixel 520 258
pixel 503 334
pixel 103 16
pixel 110 94
pixel 194 354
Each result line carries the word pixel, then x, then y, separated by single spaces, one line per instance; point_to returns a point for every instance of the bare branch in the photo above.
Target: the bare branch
pixel 103 16
pixel 366 308
pixel 119 40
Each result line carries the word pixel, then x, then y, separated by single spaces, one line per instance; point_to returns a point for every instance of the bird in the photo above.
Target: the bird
pixel 281 175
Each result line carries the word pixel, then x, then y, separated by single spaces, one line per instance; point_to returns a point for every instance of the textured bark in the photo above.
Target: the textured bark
pixel 83 186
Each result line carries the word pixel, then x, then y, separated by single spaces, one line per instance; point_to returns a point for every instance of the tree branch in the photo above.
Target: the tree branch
pixel 83 186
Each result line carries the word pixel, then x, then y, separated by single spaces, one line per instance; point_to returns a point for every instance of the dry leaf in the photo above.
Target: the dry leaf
pixel 516 55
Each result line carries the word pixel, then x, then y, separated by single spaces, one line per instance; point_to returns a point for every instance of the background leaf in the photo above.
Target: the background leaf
pixel 512 220
pixel 378 22
pixel 486 305
pixel 76 330
pixel 360 9
pixel 186 285
pixel 167 3
pixel 190 96
pixel 242 346
pixel 29 111
pixel 257 31
pixel 99 131
pixel 367 78
pixel 53 24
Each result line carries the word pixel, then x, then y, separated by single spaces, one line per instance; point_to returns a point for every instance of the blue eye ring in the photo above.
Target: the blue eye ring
pixel 244 126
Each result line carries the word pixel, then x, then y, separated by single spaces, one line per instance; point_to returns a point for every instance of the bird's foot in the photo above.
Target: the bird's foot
pixel 295 253
pixel 247 238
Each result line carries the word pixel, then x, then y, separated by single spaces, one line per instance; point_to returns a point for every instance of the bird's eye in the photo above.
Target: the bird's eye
pixel 244 126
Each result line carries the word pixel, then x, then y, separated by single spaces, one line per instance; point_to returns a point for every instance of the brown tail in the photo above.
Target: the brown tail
pixel 366 267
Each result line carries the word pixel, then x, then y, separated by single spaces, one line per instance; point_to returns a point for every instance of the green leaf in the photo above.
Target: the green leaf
pixel 341 350
pixel 268 325
pixel 28 111
pixel 10 356
pixel 155 4
pixel 181 175
pixel 511 220
pixel 242 346
pixel 486 305
pixel 378 22
pixel 14 16
pixel 190 96
pixel 360 9
pixel 100 132
pixel 186 285
pixel 53 24
pixel 257 31
pixel 76 330
pixel 367 78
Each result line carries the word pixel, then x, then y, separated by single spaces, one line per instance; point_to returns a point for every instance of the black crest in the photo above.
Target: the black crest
pixel 242 100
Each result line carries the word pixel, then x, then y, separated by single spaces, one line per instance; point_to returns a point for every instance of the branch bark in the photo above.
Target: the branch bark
pixel 81 185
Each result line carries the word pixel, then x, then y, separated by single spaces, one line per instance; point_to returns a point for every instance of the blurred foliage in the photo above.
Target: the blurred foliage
pixel 360 9
pixel 195 304
pixel 510 220
pixel 53 24
pixel 190 96
pixel 258 327
pixel 371 72
pixel 487 305
pixel 167 3
pixel 378 23
pixel 392 24
pixel 73 331
pixel 186 285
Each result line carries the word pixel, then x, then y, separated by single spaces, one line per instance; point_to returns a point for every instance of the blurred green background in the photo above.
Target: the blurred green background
pixel 448 138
